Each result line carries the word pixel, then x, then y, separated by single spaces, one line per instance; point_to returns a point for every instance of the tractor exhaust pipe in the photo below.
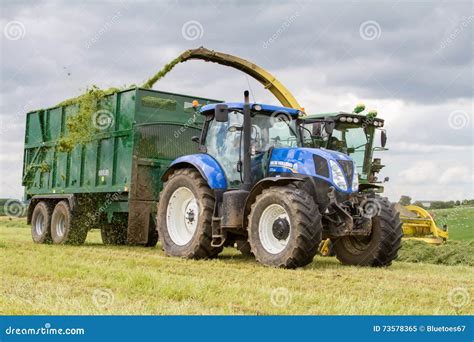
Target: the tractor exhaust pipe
pixel 247 132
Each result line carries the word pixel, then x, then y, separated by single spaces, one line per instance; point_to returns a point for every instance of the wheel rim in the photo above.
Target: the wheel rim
pixel 274 228
pixel 182 216
pixel 39 224
pixel 60 225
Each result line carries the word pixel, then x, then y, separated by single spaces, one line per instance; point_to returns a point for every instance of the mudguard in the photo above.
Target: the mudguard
pixel 209 168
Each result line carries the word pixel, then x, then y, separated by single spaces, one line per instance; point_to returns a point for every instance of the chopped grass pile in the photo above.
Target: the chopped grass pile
pixel 80 127
pixel 449 253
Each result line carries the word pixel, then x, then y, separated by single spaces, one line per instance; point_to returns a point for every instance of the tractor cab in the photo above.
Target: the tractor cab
pixel 271 127
pixel 353 134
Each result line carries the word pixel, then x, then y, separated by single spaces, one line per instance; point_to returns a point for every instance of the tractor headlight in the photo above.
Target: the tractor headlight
pixel 355 182
pixel 338 175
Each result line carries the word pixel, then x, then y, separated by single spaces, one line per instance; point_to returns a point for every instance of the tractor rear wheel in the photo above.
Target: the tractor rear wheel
pixel 285 227
pixel 381 247
pixel 184 216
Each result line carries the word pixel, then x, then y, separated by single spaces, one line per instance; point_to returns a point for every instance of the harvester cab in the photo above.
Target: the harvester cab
pixel 356 135
pixel 353 134
pixel 254 183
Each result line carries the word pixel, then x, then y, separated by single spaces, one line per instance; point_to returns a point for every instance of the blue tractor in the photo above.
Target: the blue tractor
pixel 254 185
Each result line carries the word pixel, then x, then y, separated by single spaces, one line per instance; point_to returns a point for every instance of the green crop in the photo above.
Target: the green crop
pixel 160 74
pixel 449 253
pixel 80 127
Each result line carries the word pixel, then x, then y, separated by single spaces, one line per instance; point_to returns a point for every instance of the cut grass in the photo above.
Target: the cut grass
pixel 449 253
pixel 98 279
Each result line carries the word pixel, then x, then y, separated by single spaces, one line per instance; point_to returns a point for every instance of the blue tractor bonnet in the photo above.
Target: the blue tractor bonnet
pixel 240 106
pixel 300 160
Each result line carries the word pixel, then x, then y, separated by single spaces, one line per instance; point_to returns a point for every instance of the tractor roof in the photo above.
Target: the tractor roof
pixel 263 108
pixel 338 115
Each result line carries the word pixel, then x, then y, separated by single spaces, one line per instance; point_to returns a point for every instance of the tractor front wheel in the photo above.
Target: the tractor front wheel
pixel 184 216
pixel 284 227
pixel 381 247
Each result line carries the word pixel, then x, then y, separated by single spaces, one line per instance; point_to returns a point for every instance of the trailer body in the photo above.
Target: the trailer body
pixel 119 170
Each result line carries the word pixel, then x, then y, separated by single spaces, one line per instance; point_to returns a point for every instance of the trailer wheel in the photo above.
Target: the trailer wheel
pixel 115 232
pixel 65 228
pixel 41 223
pixel 285 227
pixel 381 247
pixel 184 216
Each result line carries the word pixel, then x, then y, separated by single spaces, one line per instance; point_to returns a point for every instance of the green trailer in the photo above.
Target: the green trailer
pixel 112 179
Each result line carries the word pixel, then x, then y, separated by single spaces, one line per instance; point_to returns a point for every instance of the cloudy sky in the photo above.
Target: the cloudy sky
pixel 410 60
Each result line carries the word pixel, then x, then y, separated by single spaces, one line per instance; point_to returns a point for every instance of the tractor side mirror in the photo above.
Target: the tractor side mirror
pixel 329 127
pixel 221 112
pixel 383 138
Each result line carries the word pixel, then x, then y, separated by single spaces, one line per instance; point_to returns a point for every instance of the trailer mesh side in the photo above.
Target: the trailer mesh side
pixel 166 141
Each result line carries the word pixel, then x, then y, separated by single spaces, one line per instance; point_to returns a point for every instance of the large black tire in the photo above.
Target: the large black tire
pixel 305 227
pixel 115 232
pixel 381 247
pixel 197 244
pixel 41 223
pixel 65 227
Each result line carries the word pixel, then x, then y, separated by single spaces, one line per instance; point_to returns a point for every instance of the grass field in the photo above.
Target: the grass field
pixel 98 279
pixel 460 221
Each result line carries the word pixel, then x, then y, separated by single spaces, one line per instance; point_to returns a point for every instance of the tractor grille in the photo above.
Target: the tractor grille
pixel 348 168
pixel 321 166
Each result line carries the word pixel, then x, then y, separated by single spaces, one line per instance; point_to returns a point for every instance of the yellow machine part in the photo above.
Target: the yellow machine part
pixel 418 224
pixel 264 77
